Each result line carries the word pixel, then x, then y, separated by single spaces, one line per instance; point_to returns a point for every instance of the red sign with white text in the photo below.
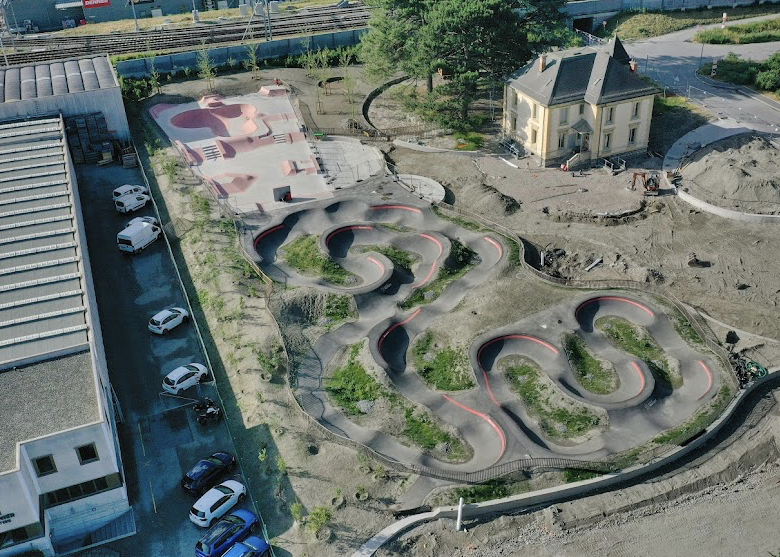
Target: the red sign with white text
pixel 96 3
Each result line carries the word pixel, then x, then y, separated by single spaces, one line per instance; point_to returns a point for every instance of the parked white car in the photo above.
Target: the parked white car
pixel 128 189
pixel 131 202
pixel 141 220
pixel 184 377
pixel 168 319
pixel 216 502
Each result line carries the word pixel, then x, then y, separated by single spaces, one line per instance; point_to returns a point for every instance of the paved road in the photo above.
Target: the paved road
pixel 158 444
pixel 674 58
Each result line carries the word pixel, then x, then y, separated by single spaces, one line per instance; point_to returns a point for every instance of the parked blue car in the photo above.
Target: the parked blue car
pixel 226 532
pixel 250 547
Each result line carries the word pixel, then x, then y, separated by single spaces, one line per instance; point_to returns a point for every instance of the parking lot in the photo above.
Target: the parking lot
pixel 160 436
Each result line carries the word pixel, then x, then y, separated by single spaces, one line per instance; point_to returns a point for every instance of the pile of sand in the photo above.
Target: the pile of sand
pixel 738 172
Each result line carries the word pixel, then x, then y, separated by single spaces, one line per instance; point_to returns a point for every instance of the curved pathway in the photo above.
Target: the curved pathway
pixel 490 416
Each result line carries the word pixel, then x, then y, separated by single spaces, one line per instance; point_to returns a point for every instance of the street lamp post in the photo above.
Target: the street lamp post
pixel 135 17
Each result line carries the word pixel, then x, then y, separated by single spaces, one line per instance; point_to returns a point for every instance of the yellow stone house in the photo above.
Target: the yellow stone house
pixel 578 105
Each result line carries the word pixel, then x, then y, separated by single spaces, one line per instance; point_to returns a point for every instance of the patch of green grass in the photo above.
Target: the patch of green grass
pixel 400 228
pixel 685 329
pixel 338 308
pixel 469 141
pixel 756 32
pixel 673 117
pixel 352 383
pixel 589 371
pixel 304 255
pixel 460 221
pixel 555 420
pixel 424 432
pixel 700 420
pixel 400 258
pixel 571 475
pixel 638 341
pixel 446 369
pixel 642 25
pixel 458 264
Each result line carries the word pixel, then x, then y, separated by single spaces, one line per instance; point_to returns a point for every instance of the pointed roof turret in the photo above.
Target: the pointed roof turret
pixel 616 49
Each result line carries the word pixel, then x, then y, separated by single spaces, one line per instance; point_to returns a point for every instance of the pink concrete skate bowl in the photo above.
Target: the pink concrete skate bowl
pixel 273 91
pixel 227 120
pixel 234 182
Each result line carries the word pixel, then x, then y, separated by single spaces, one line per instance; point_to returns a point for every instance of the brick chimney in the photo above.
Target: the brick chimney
pixel 632 65
pixel 542 62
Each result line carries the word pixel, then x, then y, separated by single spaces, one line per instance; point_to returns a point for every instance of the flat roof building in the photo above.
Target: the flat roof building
pixel 61 478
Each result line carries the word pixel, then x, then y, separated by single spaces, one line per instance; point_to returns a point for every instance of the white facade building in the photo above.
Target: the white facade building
pixel 61 478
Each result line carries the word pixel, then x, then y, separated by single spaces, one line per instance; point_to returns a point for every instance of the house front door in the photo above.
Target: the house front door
pixel 585 142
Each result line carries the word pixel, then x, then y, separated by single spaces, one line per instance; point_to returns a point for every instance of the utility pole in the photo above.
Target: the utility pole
pixel 135 17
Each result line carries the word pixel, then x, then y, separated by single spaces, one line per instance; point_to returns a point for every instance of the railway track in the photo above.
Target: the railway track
pixel 41 49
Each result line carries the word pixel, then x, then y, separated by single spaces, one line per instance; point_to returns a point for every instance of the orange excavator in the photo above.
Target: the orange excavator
pixel 650 183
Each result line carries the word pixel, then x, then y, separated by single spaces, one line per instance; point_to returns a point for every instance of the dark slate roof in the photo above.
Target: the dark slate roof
pixel 577 74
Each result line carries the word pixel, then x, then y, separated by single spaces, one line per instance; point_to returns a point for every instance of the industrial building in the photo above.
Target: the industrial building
pixel 70 87
pixel 61 480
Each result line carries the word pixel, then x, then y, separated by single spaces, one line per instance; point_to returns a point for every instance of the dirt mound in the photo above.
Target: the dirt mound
pixel 488 200
pixel 742 170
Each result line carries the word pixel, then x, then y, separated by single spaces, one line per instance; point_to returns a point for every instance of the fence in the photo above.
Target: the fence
pixel 266 50
pixel 589 8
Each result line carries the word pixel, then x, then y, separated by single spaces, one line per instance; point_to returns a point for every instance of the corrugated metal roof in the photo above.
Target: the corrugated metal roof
pixel 33 81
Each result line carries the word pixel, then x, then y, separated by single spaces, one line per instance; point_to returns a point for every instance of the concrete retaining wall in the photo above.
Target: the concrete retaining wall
pixel 589 8
pixel 141 67
pixel 728 213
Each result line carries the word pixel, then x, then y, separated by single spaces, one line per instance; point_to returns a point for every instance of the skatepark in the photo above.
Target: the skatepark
pixel 489 416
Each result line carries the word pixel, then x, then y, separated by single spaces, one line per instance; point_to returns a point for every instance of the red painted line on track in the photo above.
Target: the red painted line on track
pixel 709 379
pixel 377 263
pixel 340 230
pixel 498 246
pixel 266 233
pixel 399 207
pixel 393 328
pixel 641 377
pixel 615 299
pixel 433 265
pixel 485 417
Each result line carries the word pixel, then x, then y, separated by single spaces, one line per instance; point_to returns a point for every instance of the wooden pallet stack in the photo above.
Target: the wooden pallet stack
pixel 88 139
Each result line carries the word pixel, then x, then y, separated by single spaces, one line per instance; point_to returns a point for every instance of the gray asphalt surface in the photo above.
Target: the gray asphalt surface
pixel 160 438
pixel 490 417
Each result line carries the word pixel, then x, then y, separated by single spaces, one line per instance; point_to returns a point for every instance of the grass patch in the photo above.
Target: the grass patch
pixel 493 489
pixel 556 421
pixel 400 258
pixel 460 221
pixel 757 32
pixel 571 475
pixel 638 25
pixel 468 141
pixel 352 383
pixel 338 308
pixel 446 369
pixel 426 433
pixel 638 341
pixel 700 420
pixel 589 371
pixel 673 117
pixel 685 329
pixel 304 255
pixel 400 228
pixel 762 76
pixel 457 264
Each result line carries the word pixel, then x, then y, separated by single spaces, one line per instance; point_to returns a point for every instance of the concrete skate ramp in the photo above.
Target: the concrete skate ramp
pixel 238 145
pixel 229 120
pixel 234 182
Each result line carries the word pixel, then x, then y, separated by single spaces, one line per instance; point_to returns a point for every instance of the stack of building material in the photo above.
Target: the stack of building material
pixel 87 137
pixel 129 159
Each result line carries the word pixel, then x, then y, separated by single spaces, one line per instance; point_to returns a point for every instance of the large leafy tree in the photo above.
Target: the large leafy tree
pixel 476 41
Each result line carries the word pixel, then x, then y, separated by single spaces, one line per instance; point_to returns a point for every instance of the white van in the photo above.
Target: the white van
pixel 137 236
pixel 127 189
pixel 130 202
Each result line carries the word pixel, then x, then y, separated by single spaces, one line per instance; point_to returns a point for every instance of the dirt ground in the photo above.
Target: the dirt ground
pixel 741 173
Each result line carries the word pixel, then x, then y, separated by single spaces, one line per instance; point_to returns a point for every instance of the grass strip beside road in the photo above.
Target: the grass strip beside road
pixel 591 373
pixel 756 32
pixel 638 341
pixel 673 117
pixel 303 254
pixel 556 420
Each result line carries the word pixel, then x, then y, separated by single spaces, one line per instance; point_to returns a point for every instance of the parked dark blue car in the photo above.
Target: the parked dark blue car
pixel 205 473
pixel 250 547
pixel 226 532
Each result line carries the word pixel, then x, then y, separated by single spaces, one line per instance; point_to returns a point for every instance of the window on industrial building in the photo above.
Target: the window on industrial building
pixel 610 114
pixel 44 465
pixel 79 491
pixel 631 136
pixel 87 454
pixel 607 141
pixel 20 535
pixel 635 113
pixel 565 115
pixel 562 141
